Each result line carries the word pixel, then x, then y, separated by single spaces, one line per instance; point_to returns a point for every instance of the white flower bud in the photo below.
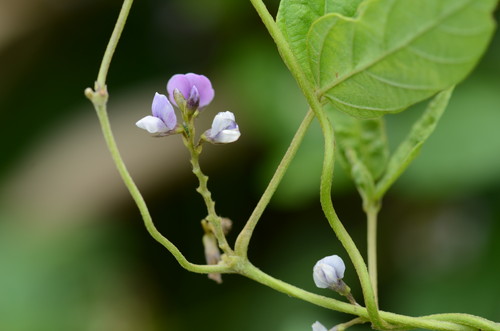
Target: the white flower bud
pixel 328 272
pixel 224 129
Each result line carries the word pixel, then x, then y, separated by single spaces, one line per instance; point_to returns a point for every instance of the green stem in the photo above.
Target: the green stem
pixel 139 200
pixel 212 217
pixel 246 269
pixel 99 98
pixel 466 319
pixel 243 240
pixel 344 326
pixel 372 213
pixel 327 174
pixel 113 42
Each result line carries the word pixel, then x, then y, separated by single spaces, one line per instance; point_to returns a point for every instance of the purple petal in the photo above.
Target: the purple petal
pixel 181 83
pixel 193 102
pixel 184 83
pixel 163 110
pixel 204 87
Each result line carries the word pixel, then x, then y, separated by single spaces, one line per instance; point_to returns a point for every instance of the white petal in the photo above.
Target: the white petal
pixel 152 124
pixel 317 326
pixel 324 275
pixel 328 271
pixel 336 262
pixel 221 121
pixel 227 136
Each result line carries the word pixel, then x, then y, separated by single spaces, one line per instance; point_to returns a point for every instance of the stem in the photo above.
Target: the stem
pixel 343 326
pixel 233 263
pixel 328 163
pixel 372 213
pixel 99 99
pixel 139 200
pixel 212 217
pixel 466 319
pixel 243 240
pixel 246 269
pixel 113 42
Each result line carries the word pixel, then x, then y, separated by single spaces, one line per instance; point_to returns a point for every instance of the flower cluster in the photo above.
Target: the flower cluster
pixel 190 93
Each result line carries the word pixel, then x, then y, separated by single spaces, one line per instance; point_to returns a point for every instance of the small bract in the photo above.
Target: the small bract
pixel 163 121
pixel 224 129
pixel 191 86
pixel 328 271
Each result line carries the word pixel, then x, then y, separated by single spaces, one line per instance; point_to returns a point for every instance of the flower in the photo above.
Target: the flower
pixel 193 102
pixel 163 121
pixel 224 129
pixel 317 326
pixel 191 86
pixel 328 272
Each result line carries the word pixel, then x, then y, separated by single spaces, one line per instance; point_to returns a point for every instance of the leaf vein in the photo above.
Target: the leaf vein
pixel 398 84
pixel 403 44
pixel 438 59
pixel 332 98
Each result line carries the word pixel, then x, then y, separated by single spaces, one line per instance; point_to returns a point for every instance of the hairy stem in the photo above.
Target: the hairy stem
pixel 245 268
pixel 212 217
pixel 113 42
pixel 243 240
pixel 344 326
pixel 466 319
pixel 372 213
pixel 327 174
pixel 99 98
pixel 100 106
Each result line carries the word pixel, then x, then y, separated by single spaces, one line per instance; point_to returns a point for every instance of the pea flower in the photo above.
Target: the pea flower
pixel 163 121
pixel 328 272
pixel 196 89
pixel 224 129
pixel 317 326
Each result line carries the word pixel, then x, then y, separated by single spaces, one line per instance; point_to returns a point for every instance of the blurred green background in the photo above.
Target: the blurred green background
pixel 73 251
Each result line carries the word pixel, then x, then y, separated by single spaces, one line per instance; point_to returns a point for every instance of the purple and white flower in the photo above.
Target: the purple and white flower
pixel 224 129
pixel 328 272
pixel 163 122
pixel 193 87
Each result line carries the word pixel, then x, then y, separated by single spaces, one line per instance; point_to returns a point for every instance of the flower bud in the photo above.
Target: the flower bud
pixel 224 129
pixel 193 102
pixel 212 255
pixel 328 272
pixel 179 99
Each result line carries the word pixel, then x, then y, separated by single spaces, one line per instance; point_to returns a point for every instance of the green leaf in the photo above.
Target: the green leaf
pixel 362 177
pixel 462 155
pixel 365 137
pixel 295 17
pixel 397 52
pixel 410 147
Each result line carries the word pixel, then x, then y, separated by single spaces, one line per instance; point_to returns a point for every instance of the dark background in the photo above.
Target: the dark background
pixel 74 254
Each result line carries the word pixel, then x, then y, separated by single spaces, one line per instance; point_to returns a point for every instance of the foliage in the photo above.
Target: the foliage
pixel 354 61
